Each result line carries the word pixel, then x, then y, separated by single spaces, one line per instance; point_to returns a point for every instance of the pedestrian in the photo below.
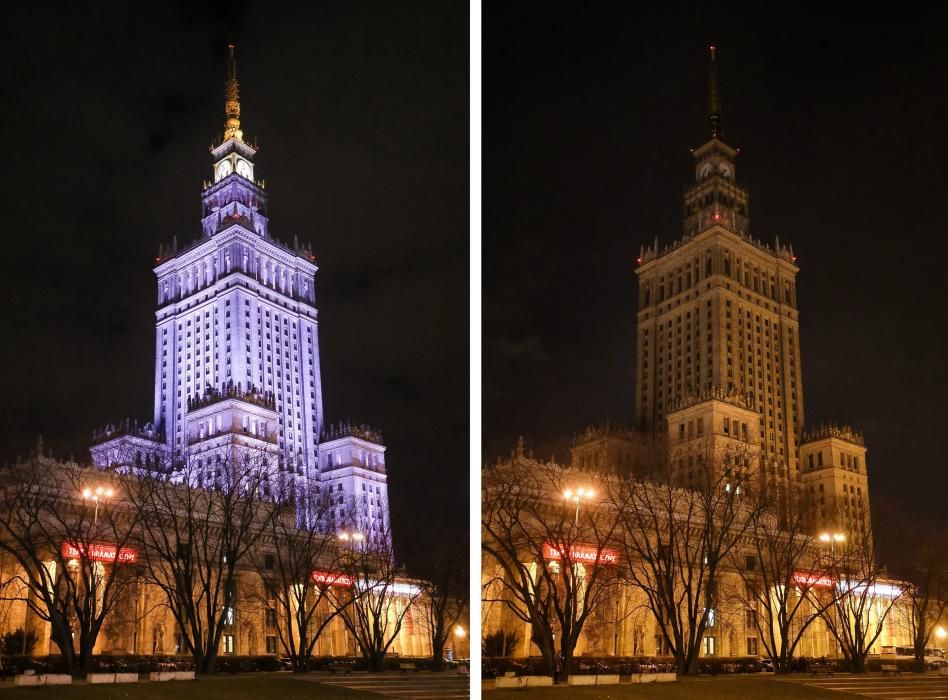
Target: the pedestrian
pixel 557 668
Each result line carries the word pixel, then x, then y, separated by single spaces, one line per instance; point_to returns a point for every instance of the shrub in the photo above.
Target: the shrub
pixel 18 642
pixel 499 643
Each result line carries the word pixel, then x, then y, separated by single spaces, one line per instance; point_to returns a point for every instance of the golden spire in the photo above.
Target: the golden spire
pixel 232 100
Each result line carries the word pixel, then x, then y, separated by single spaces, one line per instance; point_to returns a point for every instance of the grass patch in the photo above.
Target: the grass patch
pixel 742 688
pixel 225 688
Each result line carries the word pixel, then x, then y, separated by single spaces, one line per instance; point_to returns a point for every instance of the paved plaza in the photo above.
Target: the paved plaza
pixel 904 686
pixel 400 685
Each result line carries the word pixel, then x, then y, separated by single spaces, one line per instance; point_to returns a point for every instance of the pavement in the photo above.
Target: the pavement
pixel 903 686
pixel 422 685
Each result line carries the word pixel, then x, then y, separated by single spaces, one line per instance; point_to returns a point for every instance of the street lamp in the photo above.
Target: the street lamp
pixel 459 632
pixel 577 496
pixel 97 494
pixel 351 537
pixel 832 538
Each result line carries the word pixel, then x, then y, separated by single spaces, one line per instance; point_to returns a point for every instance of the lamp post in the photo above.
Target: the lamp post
pixel 353 539
pixel 581 494
pixel 97 494
pixel 831 538
pixel 459 635
pixel 351 536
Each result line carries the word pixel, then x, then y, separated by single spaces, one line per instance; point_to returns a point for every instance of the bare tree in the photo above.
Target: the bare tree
pixel 678 535
pixel 376 599
pixel 921 560
pixel 445 599
pixel 777 568
pixel 299 565
pixel 862 599
pixel 556 556
pixel 73 552
pixel 200 529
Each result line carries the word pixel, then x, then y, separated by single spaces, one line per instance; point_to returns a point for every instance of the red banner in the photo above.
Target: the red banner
pixel 101 552
pixel 332 578
pixel 810 579
pixel 582 553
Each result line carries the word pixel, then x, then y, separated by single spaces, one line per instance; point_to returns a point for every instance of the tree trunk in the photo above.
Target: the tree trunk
pixel 377 661
pixel 437 651
pixel 919 666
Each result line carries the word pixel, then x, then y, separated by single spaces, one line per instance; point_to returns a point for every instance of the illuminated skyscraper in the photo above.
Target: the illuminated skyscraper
pixel 237 347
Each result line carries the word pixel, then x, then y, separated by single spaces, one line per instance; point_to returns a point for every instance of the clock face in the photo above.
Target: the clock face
pixel 243 169
pixel 223 170
pixel 705 170
pixel 725 170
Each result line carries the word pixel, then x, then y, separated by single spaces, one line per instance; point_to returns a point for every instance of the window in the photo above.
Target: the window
pixel 272 645
pixel 752 646
pixel 709 646
pixel 271 617
pixel 228 644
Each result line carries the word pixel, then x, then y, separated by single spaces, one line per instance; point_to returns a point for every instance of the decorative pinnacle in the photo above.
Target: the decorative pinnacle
pixel 232 100
pixel 714 114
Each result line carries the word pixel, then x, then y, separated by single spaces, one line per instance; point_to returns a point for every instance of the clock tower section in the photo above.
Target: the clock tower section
pixel 715 198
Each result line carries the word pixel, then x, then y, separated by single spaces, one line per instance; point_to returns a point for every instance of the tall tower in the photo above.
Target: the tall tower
pixel 237 345
pixel 237 357
pixel 717 312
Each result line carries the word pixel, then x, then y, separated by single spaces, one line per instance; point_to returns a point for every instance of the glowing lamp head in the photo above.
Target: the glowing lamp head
pixel 358 536
pixel 459 631
pixel 824 537
pixel 839 537
pixel 568 494
pixel 86 493
pixel 940 632
pixel 344 536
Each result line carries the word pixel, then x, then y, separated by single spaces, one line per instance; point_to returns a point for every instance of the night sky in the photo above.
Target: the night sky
pixel 361 114
pixel 843 131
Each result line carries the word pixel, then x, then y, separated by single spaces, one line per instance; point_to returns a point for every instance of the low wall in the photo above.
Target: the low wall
pixel 112 678
pixel 534 681
pixel 581 680
pixel 171 676
pixel 43 679
pixel 653 677
pixel 508 682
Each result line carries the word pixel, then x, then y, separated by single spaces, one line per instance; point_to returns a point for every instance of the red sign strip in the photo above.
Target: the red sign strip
pixel 332 578
pixel 101 552
pixel 583 554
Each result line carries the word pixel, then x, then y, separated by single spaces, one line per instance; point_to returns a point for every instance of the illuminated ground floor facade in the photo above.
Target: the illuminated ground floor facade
pixel 142 623
pixel 623 625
